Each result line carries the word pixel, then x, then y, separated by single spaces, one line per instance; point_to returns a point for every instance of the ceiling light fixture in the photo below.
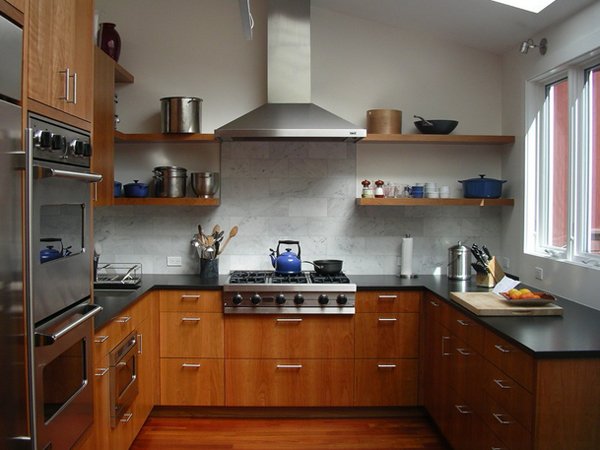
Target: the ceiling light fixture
pixel 534 6
pixel 526 45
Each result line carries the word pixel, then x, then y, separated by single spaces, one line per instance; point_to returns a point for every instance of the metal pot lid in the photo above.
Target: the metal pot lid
pixel 170 169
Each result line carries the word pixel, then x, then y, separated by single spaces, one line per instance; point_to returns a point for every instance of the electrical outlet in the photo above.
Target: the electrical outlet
pixel 539 273
pixel 505 263
pixel 174 261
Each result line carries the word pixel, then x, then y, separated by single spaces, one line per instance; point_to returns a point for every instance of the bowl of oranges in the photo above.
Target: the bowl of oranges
pixel 527 297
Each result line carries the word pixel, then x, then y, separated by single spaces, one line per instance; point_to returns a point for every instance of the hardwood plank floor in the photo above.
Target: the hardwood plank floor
pixel 406 433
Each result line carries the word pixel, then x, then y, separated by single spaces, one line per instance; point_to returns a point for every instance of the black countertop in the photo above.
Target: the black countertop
pixel 575 334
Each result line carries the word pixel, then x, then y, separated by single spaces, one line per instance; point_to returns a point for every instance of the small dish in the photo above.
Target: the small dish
pixel 544 299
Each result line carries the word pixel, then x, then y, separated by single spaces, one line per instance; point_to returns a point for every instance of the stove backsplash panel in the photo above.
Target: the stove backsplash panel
pixel 293 190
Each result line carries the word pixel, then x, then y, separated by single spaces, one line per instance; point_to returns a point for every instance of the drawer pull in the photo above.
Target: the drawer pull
pixel 289 366
pixel 463 352
pixel 387 319
pixel 464 323
pixel 123 319
pixel 436 304
pixel 286 320
pixel 141 342
pixel 388 297
pixel 463 409
pixel 444 352
pixel 101 371
pixel 190 297
pixel 126 417
pixel 100 339
pixel 191 365
pixel 386 366
pixel 190 319
pixel 502 384
pixel 500 419
pixel 498 448
pixel 502 349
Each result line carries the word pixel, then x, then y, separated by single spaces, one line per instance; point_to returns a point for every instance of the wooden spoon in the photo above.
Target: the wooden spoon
pixel 232 233
pixel 216 229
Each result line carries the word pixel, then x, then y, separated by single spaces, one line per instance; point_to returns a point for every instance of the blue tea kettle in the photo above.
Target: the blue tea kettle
pixel 288 261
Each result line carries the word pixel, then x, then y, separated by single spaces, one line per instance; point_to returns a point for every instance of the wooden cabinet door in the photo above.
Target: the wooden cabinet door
pixel 60 39
pixel 18 4
pixel 386 382
pixel 386 335
pixel 192 382
pixel 388 301
pixel 191 334
pixel 147 372
pixel 289 382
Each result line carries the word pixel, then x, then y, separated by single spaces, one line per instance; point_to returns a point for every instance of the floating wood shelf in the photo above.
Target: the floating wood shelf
pixel 161 201
pixel 122 75
pixel 164 137
pixel 435 201
pixel 437 139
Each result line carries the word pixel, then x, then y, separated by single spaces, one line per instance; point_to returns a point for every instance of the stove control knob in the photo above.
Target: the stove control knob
pixel 342 299
pixel 323 299
pixel 59 142
pixel 280 299
pixel 76 147
pixel 43 139
pixel 298 299
pixel 237 299
pixel 255 299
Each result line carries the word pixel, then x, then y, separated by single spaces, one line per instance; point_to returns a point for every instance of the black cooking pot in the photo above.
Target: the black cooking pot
pixel 327 266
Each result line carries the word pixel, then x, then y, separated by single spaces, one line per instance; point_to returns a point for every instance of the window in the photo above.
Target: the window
pixel 562 183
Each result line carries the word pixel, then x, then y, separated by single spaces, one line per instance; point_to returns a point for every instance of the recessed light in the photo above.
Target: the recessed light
pixel 534 6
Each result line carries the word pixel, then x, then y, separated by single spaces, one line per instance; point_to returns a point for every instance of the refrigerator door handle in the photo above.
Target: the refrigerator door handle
pixel 18 160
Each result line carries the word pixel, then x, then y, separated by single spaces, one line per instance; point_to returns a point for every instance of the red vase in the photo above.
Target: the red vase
pixel 109 40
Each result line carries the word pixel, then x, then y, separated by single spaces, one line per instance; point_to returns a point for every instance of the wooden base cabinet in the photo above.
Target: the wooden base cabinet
pixel 386 382
pixel 192 381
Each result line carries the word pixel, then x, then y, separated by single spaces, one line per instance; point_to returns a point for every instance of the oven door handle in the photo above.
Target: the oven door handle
pixel 47 172
pixel 43 337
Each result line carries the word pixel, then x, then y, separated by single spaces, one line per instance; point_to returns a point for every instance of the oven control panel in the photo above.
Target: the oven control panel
pixel 58 142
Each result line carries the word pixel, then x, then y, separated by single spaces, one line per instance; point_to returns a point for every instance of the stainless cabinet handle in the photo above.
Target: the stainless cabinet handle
pixel 190 319
pixel 502 384
pixel 190 297
pixel 141 343
pixel 386 366
pixel 444 352
pixel 101 371
pixel 464 323
pixel 67 73
pixel 74 100
pixel 387 319
pixel 388 297
pixel 289 366
pixel 191 365
pixel 126 417
pixel 284 320
pixel 502 349
pixel 436 304
pixel 499 418
pixel 463 409
pixel 463 352
pixel 100 339
pixel 497 448
pixel 123 319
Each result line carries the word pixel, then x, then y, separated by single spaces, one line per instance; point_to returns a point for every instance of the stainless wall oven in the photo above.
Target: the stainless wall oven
pixel 123 360
pixel 59 265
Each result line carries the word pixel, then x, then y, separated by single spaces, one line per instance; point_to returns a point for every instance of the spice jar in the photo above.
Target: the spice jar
pixel 367 191
pixel 379 189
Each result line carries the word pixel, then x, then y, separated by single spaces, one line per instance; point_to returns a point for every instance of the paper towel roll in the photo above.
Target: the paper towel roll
pixel 407 256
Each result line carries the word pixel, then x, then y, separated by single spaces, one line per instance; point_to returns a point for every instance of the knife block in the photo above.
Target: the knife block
pixel 490 279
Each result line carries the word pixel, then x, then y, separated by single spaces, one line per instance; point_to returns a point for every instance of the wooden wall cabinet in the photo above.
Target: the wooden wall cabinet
pixel 60 58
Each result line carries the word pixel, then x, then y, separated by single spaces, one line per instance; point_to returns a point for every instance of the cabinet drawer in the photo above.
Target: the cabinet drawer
pixel 436 309
pixel 386 382
pixel 464 370
pixel 465 328
pixel 388 301
pixel 253 336
pixel 114 332
pixel 192 382
pixel 289 382
pixel 511 360
pixel 386 335
pixel 193 300
pixel 503 424
pixel 191 335
pixel 509 395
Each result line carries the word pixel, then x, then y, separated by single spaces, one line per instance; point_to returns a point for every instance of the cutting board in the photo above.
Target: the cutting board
pixel 490 304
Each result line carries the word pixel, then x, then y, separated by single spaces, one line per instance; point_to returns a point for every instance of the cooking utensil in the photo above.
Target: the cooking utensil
pixel 327 266
pixel 170 181
pixel 232 233
pixel 482 187
pixel 181 114
pixel 136 189
pixel 435 126
pixel 205 184
pixel 288 261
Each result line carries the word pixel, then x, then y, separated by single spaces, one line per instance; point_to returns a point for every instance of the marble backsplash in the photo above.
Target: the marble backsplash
pixel 303 191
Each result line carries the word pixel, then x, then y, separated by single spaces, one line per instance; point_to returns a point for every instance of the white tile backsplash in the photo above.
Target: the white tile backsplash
pixel 301 191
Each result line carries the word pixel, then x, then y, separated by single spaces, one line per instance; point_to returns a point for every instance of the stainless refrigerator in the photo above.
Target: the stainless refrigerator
pixel 14 341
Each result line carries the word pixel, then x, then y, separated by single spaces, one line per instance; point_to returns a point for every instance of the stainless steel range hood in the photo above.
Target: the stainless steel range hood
pixel 289 113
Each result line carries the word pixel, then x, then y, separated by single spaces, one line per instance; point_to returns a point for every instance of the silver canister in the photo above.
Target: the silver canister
pixel 181 114
pixel 459 262
pixel 170 181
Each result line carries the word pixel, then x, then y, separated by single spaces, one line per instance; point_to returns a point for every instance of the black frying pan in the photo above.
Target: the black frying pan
pixel 327 266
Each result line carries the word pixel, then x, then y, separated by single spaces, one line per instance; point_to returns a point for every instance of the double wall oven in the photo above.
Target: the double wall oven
pixel 59 274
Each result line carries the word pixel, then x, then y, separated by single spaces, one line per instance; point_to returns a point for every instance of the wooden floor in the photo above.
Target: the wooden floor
pixel 288 434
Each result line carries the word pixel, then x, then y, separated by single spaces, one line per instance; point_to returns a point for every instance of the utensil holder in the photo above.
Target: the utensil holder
pixel 209 268
pixel 491 278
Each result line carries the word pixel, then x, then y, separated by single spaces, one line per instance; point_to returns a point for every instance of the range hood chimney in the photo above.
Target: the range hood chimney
pixel 289 113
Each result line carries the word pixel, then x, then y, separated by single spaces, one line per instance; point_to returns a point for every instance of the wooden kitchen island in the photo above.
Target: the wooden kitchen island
pixel 487 382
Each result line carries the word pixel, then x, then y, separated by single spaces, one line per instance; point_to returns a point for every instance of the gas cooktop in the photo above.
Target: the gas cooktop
pixel 269 292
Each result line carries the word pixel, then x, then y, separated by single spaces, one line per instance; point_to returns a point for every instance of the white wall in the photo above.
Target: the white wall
pixel 571 39
pixel 277 191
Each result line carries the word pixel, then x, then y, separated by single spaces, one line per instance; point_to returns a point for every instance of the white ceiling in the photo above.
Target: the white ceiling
pixel 481 24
